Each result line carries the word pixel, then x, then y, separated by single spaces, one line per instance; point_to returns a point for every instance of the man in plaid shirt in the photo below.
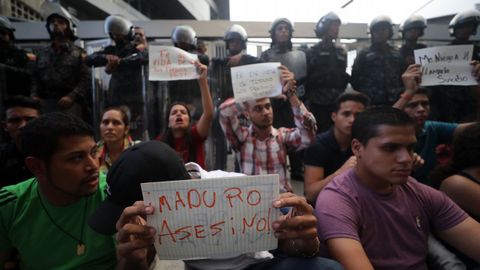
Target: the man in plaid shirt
pixel 261 148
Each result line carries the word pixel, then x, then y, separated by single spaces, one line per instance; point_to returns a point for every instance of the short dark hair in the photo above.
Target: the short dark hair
pixel 422 91
pixel 466 148
pixel 351 96
pixel 40 137
pixel 367 122
pixel 21 101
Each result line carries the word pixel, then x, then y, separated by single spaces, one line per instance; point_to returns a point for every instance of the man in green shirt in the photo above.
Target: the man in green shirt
pixel 44 218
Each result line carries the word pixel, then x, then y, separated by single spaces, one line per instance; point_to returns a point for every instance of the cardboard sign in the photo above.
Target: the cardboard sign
pixel 167 63
pixel 447 65
pixel 256 81
pixel 211 218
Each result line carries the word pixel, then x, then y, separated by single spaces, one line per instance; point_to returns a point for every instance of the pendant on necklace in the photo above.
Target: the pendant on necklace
pixel 80 249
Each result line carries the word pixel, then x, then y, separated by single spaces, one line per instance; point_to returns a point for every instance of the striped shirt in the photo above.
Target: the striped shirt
pixel 270 155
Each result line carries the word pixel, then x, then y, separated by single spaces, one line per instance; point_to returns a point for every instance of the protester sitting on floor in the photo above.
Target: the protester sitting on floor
pixel 114 129
pixel 153 161
pixel 44 218
pixel 416 103
pixel 331 154
pixel 377 202
pixel 261 148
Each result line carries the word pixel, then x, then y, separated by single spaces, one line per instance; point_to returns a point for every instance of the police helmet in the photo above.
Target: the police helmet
pixel 324 23
pixel 412 22
pixel 118 25
pixel 464 17
pixel 185 34
pixel 379 21
pixel 71 26
pixel 6 24
pixel 236 31
pixel 278 21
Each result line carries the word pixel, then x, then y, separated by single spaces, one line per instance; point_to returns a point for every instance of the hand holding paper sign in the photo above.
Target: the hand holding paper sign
pixel 167 63
pixel 287 80
pixel 412 77
pixel 205 121
pixel 135 239
pixel 446 65
pixel 202 70
pixel 251 82
pixel 296 231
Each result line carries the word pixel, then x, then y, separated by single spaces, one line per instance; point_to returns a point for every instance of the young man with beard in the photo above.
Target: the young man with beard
pixel 261 148
pixel 44 218
pixel 377 202
pixel 123 212
pixel 281 50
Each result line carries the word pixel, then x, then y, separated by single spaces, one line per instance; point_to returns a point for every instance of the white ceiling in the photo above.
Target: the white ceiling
pixel 358 11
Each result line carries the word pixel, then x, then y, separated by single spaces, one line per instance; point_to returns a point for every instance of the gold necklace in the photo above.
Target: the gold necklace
pixel 80 244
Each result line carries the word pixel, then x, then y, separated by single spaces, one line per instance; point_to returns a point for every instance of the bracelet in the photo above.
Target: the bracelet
pixel 302 254
pixel 290 92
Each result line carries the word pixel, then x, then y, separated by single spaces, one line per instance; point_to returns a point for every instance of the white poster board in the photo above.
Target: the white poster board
pixel 256 81
pixel 211 218
pixel 166 63
pixel 446 65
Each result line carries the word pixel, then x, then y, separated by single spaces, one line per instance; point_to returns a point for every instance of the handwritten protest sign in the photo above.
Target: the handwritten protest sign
pixel 447 65
pixel 211 218
pixel 167 63
pixel 256 81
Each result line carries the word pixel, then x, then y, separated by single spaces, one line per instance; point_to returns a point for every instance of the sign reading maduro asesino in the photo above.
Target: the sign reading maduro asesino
pixel 211 218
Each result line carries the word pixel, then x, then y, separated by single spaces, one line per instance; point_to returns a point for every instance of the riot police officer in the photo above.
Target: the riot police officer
pixel 235 38
pixel 326 69
pixel 236 44
pixel 464 25
pixel 185 38
pixel 376 71
pixel 281 32
pixel 458 103
pixel 124 61
pixel 15 77
pixel 410 30
pixel 61 79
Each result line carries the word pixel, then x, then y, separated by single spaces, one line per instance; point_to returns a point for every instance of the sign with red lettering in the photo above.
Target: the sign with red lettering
pixel 211 218
pixel 166 63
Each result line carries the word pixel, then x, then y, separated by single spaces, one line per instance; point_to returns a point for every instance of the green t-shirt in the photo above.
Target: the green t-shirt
pixel 24 225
